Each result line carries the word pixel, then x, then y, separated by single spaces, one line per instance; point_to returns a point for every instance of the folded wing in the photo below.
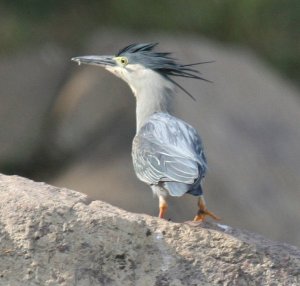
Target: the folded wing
pixel 169 151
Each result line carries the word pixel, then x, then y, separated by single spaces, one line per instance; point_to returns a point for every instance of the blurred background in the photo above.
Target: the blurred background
pixel 72 126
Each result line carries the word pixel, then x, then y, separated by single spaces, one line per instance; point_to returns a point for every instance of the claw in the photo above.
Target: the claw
pixel 202 214
pixel 203 211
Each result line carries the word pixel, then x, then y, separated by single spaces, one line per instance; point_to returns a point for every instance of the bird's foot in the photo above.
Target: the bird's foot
pixel 163 206
pixel 201 215
pixel 203 211
pixel 162 211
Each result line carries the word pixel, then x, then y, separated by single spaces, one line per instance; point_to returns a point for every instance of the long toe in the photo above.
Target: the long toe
pixel 212 215
pixel 199 218
pixel 202 216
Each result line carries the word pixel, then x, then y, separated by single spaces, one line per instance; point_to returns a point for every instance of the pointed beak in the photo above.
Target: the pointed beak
pixel 102 61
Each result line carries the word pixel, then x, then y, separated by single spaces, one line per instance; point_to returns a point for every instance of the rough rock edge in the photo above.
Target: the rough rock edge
pixel 54 236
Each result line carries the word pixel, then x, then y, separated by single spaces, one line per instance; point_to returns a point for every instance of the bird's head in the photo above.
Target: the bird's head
pixel 139 66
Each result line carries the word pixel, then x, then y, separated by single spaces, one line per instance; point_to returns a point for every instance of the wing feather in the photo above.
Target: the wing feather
pixel 166 149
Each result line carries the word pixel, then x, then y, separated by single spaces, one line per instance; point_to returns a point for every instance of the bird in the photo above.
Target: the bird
pixel 167 152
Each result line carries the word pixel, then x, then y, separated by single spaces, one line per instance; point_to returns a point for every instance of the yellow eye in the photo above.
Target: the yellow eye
pixel 123 61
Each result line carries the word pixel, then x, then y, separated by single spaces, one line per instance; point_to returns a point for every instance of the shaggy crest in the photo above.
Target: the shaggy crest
pixel 160 62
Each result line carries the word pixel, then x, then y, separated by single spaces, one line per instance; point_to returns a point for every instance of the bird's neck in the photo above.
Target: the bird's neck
pixel 151 100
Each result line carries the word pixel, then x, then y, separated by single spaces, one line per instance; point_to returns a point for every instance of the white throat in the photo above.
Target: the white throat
pixel 153 94
pixel 152 91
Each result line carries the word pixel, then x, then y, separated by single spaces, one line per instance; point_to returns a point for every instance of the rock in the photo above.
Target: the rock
pixel 248 119
pixel 53 236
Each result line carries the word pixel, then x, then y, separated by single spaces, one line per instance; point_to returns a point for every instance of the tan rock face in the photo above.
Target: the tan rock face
pixel 53 236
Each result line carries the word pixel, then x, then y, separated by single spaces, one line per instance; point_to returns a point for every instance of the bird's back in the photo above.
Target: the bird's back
pixel 168 152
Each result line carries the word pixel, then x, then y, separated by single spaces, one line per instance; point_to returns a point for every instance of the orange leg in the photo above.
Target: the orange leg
pixel 203 211
pixel 163 206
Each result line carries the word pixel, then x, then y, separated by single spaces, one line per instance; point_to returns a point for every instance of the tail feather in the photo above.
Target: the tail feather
pixel 177 189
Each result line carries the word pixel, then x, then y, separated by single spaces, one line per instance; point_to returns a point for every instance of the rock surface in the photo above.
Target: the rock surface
pixel 53 236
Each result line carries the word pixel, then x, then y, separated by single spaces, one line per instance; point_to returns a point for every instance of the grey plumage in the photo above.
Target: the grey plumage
pixel 167 152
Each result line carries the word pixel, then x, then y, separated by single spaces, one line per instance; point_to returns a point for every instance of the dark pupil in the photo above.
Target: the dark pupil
pixel 122 61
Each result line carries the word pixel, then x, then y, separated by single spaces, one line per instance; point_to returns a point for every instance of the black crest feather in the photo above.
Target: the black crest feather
pixel 162 63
